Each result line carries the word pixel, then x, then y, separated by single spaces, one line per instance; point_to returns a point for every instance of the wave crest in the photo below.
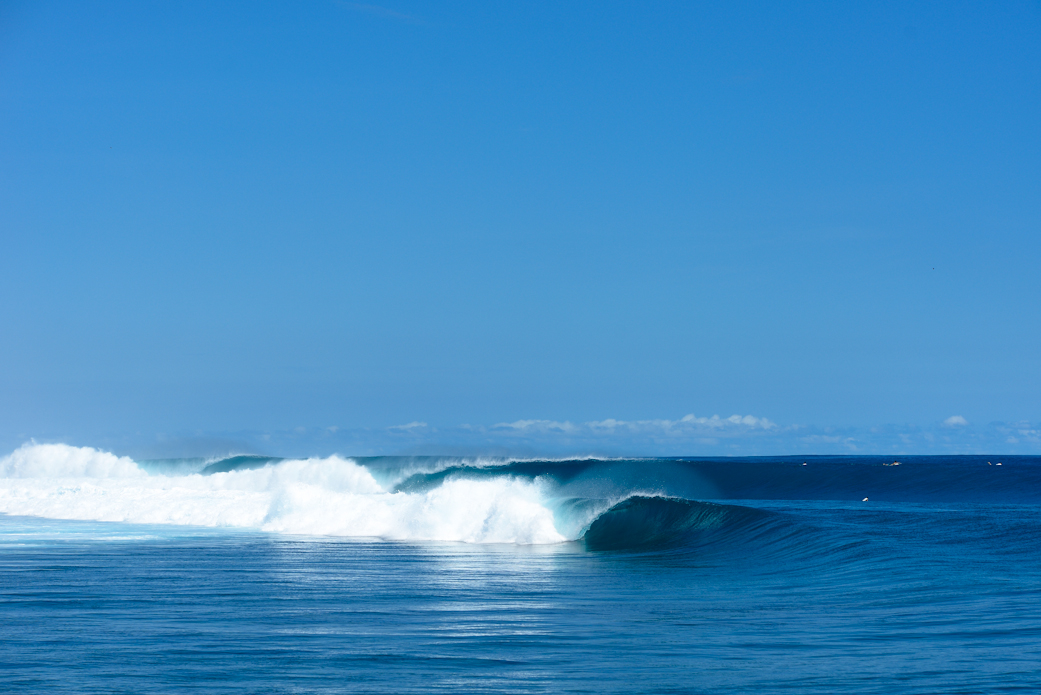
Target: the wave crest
pixel 330 496
pixel 644 522
pixel 63 461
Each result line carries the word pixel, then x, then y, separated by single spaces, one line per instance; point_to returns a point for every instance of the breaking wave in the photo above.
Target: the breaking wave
pixel 606 504
pixel 328 496
pixel 63 461
pixel 644 523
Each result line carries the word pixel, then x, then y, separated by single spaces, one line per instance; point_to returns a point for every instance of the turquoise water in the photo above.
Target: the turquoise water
pixel 783 581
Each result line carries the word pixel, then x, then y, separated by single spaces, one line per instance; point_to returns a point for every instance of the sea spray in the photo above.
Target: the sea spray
pixel 329 496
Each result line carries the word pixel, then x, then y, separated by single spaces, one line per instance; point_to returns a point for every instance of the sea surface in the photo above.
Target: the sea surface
pixel 250 574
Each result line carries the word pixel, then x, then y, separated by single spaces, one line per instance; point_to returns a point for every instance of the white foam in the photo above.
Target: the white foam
pixel 331 496
pixel 64 461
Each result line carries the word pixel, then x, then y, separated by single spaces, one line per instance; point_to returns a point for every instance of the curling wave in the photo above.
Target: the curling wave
pixel 606 504
pixel 643 523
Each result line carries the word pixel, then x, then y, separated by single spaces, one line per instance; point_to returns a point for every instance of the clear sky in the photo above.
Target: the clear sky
pixel 259 216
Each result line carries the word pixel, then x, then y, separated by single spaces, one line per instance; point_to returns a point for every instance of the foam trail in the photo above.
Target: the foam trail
pixel 331 496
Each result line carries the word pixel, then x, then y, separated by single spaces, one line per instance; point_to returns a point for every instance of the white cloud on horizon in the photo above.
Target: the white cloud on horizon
pixel 408 427
pixel 955 421
pixel 689 435
pixel 685 426
pixel 540 426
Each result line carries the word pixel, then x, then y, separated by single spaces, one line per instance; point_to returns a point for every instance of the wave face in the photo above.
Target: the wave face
pixel 647 523
pixel 606 504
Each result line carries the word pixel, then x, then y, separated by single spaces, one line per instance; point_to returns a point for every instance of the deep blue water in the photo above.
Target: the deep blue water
pixel 692 576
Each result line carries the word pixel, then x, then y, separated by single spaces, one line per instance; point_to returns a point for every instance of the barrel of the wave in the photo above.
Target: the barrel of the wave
pixel 648 523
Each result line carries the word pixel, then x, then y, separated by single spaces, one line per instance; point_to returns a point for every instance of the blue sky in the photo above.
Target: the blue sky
pixel 223 221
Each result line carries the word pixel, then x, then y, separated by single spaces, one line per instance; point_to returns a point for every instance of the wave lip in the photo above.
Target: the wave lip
pixel 238 462
pixel 647 523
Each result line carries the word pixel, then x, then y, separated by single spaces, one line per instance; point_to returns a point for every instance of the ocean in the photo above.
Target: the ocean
pixel 250 574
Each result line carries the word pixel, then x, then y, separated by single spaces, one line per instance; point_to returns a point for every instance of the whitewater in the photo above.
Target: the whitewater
pixel 250 573
pixel 324 496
